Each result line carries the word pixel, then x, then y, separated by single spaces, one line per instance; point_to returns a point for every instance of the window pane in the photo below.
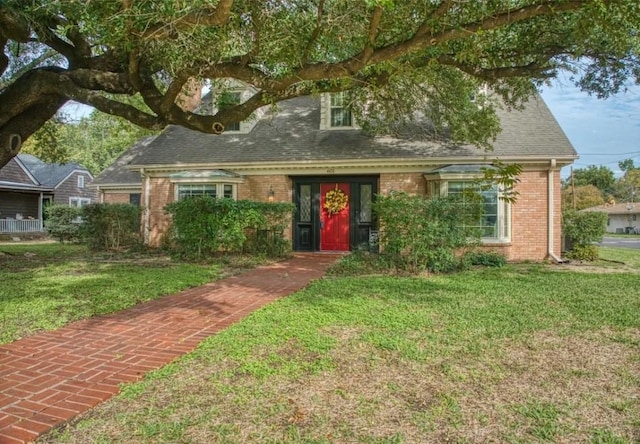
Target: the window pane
pixel 228 191
pixel 196 190
pixel 340 117
pixel 365 203
pixel 337 99
pixel 488 222
pixel 134 199
pixel 305 203
pixel 235 126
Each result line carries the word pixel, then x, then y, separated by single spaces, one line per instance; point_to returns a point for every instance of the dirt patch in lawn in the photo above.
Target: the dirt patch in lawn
pixel 600 266
pixel 541 388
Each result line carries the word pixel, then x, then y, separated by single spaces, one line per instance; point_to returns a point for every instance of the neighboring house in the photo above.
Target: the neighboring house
pixel 311 146
pixel 27 185
pixel 621 217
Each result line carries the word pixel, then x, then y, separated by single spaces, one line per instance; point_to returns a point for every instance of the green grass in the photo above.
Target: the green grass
pixel 629 256
pixel 45 286
pixel 517 354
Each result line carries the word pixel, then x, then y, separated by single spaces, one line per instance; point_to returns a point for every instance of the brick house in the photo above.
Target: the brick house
pixel 312 145
pixel 28 185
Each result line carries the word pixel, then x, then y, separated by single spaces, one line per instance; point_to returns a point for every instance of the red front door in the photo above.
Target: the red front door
pixel 334 222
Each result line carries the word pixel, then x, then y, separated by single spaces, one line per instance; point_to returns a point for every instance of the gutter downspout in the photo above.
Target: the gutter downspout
pixel 147 216
pixel 550 214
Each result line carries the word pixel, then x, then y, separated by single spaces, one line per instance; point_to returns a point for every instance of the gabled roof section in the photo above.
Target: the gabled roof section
pixel 118 173
pixel 293 135
pixel 15 173
pixel 50 175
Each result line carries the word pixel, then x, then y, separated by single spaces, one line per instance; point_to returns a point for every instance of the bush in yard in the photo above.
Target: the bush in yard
pixel 584 228
pixel 267 235
pixel 423 234
pixel 204 226
pixel 63 223
pixel 484 258
pixel 111 226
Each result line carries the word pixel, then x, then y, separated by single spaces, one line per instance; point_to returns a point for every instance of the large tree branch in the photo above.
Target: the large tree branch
pixel 497 20
pixel 21 126
pixel 532 70
pixel 205 16
pixel 12 26
pixel 316 32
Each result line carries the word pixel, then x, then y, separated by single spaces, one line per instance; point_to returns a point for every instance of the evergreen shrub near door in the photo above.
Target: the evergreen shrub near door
pixel 205 226
pixel 419 234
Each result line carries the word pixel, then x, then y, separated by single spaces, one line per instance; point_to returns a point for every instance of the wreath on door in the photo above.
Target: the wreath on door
pixel 335 201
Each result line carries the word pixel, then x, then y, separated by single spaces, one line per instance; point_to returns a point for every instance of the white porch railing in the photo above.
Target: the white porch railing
pixel 20 225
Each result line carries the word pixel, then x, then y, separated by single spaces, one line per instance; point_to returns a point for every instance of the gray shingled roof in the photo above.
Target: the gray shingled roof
pixel 117 172
pixel 48 174
pixel 293 135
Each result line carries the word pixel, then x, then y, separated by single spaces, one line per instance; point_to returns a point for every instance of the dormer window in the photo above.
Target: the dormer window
pixel 340 114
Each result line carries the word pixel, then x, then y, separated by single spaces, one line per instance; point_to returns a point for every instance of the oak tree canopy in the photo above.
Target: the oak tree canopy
pixel 391 56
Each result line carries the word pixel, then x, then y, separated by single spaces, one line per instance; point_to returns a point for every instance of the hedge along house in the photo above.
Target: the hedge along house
pixel 311 147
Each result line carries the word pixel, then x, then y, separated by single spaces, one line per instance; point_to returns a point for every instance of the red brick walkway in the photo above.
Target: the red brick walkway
pixel 48 378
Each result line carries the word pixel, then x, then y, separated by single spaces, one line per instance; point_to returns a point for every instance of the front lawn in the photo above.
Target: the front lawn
pixel 45 286
pixel 520 354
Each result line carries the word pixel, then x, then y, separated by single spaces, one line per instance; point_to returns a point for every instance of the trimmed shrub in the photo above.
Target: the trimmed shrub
pixel 587 253
pixel 583 228
pixel 423 234
pixel 63 223
pixel 484 258
pixel 204 226
pixel 111 226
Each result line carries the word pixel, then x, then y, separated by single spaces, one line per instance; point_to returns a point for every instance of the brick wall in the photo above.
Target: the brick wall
pixel 529 219
pixel 412 183
pixel 115 198
pixel 161 194
pixel 258 187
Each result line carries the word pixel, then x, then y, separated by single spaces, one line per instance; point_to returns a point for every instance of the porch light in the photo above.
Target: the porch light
pixel 271 194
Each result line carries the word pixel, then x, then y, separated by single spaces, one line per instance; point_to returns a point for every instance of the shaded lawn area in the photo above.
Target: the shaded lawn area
pixel 45 286
pixel 519 354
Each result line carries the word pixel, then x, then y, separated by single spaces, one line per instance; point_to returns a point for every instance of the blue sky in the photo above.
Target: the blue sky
pixel 603 132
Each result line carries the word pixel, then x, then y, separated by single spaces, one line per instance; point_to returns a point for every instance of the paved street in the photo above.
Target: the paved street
pixel 621 242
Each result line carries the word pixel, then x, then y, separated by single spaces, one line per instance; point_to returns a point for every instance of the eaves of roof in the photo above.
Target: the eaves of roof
pixel 15 186
pixel 355 163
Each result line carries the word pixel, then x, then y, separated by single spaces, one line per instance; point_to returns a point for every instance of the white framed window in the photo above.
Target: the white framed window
pixel 79 201
pixel 339 114
pixel 493 223
pixel 215 190
pixel 80 181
